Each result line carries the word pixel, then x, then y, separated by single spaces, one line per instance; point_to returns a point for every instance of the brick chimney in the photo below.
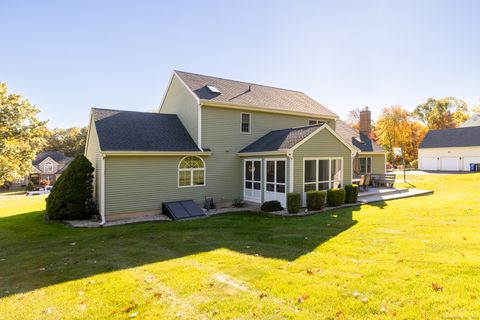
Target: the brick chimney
pixel 365 122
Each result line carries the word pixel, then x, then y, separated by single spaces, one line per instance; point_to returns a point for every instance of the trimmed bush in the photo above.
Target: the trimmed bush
pixel 71 195
pixel 351 193
pixel 316 199
pixel 270 206
pixel 293 202
pixel 30 186
pixel 335 197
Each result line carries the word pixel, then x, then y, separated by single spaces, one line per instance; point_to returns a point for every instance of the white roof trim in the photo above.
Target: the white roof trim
pixel 327 127
pixel 174 74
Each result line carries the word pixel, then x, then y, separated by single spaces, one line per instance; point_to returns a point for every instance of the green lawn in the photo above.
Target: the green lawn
pixel 252 265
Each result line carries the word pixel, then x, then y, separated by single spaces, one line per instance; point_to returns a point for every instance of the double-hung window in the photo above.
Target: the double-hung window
pixel 365 165
pixel 245 122
pixel 312 122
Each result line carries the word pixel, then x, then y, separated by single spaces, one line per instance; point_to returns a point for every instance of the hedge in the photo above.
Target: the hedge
pixel 71 195
pixel 335 197
pixel 293 202
pixel 351 193
pixel 316 199
pixel 270 206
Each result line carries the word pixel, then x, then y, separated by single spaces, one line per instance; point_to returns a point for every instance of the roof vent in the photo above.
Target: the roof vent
pixel 213 89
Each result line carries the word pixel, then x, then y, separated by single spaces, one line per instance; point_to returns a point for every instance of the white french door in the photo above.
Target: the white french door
pixel 252 180
pixel 275 180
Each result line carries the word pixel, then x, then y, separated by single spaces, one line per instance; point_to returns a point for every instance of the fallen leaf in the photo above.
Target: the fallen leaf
pixel 133 315
pixel 465 238
pixel 263 295
pixel 302 298
pixel 437 287
pixel 48 310
pixel 313 271
pixel 339 313
pixel 80 293
pixel 356 294
pixel 83 306
pixel 365 300
pixel 42 269
pixel 417 274
pixel 73 243
pixel 157 294
pixel 383 309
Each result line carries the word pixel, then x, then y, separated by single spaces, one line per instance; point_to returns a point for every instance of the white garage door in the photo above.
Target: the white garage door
pixel 449 164
pixel 468 160
pixel 428 164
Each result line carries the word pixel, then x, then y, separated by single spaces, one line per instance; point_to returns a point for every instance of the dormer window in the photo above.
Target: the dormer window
pixel 213 89
pixel 245 122
pixel 313 122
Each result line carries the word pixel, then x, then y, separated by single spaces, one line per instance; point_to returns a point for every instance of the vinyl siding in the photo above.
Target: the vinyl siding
pixel 378 163
pixel 94 155
pixel 178 100
pixel 221 133
pixel 323 144
pixel 142 183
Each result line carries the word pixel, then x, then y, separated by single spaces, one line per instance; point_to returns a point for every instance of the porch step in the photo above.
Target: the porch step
pixel 396 194
pixel 371 191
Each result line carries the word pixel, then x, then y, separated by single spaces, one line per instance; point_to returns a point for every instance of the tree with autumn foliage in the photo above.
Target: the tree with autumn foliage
pixel 396 127
pixel 22 135
pixel 353 118
pixel 448 112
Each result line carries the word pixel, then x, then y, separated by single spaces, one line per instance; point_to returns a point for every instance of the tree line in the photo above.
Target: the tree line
pixel 397 127
pixel 23 135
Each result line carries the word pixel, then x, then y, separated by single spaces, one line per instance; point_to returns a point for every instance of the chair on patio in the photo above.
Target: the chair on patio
pixel 364 182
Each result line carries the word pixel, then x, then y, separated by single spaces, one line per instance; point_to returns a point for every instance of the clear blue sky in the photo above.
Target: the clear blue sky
pixel 69 56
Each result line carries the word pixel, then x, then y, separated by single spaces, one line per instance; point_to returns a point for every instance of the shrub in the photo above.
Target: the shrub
pixel 316 199
pixel 351 193
pixel 30 186
pixel 71 195
pixel 414 164
pixel 293 202
pixel 239 203
pixel 270 206
pixel 335 197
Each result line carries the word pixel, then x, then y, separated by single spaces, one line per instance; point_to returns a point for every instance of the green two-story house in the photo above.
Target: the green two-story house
pixel 225 139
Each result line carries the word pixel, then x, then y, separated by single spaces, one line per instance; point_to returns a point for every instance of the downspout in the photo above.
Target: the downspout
pixel 102 193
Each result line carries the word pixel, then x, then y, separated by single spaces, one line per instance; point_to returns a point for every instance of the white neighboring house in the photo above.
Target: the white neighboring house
pixel 450 149
pixel 472 122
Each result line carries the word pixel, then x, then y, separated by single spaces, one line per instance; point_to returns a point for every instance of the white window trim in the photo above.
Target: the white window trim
pixel 316 173
pixel 249 122
pixel 191 185
pixel 275 174
pixel 369 159
pixel 316 122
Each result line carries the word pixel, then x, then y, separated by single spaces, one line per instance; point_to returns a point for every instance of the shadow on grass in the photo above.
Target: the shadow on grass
pixel 36 253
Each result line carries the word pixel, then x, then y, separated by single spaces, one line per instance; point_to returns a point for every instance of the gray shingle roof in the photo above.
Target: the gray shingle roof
pixel 279 140
pixel 454 137
pixel 58 156
pixel 119 130
pixel 255 95
pixel 355 138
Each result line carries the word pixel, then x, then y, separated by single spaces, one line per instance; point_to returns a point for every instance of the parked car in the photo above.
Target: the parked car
pixel 39 191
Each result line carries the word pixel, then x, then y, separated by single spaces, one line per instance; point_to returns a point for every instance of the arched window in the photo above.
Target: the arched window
pixel 48 166
pixel 191 172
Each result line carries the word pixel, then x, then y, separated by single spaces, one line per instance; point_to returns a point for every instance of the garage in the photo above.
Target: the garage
pixel 428 164
pixel 451 149
pixel 449 164
pixel 468 160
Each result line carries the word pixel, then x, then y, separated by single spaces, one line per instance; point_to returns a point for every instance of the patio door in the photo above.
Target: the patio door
pixel 275 183
pixel 252 184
